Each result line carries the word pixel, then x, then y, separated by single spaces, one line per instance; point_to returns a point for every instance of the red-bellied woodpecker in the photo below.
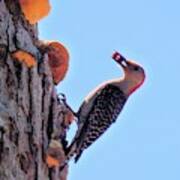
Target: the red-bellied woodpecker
pixel 102 106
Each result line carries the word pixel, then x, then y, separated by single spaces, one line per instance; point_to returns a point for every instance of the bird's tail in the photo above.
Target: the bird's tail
pixel 70 151
pixel 78 156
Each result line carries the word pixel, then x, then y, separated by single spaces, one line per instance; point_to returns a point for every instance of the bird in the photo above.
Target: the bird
pixel 103 105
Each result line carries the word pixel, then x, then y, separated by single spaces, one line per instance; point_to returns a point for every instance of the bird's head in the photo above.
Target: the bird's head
pixel 134 73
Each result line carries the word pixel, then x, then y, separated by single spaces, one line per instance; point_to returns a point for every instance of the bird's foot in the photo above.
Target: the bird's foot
pixel 62 98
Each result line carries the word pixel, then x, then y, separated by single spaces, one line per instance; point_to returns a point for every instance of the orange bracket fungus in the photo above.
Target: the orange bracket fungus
pixel 69 118
pixel 25 57
pixel 34 10
pixel 51 161
pixel 58 60
pixel 55 154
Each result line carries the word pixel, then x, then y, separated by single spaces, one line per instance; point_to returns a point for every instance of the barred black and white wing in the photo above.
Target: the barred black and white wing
pixel 105 109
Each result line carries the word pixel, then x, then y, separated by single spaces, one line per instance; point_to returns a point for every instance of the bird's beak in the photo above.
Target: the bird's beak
pixel 120 60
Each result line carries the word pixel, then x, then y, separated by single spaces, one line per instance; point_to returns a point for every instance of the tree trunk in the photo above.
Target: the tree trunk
pixel 31 115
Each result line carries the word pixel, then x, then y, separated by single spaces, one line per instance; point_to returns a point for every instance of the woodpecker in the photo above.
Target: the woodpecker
pixel 103 105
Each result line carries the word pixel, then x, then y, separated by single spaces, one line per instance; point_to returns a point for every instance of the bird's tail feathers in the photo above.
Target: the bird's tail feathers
pixel 70 151
pixel 78 156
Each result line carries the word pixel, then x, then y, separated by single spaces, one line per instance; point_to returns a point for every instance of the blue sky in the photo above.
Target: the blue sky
pixel 144 143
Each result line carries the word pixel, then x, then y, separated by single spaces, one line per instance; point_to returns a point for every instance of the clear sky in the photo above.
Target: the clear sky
pixel 144 143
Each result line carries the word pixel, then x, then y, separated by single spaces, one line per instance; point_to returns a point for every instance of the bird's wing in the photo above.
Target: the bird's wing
pixel 87 104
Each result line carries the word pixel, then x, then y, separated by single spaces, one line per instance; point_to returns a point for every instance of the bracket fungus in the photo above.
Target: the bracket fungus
pixel 58 60
pixel 25 57
pixel 34 10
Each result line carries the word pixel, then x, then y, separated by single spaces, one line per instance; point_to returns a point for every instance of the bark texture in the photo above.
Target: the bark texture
pixel 31 115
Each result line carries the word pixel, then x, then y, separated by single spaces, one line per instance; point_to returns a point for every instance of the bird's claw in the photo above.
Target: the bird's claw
pixel 62 97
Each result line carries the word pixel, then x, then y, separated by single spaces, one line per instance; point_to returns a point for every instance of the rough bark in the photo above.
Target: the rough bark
pixel 31 114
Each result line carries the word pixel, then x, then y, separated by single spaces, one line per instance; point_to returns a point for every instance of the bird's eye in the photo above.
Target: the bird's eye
pixel 136 68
